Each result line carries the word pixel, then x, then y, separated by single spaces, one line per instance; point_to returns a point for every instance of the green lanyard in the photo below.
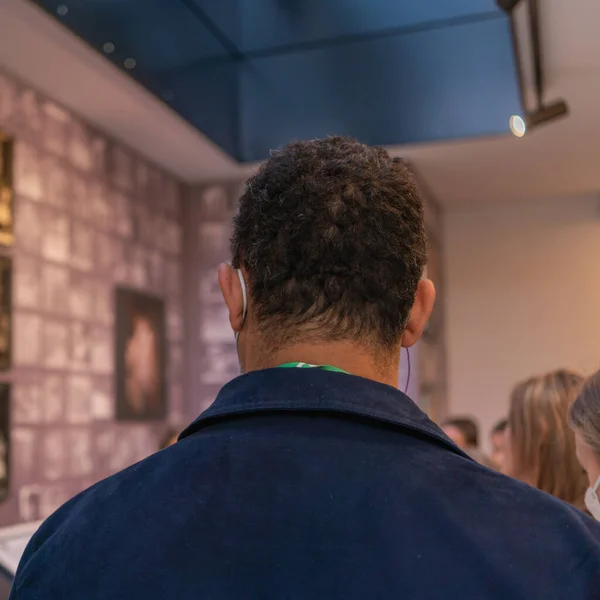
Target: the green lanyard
pixel 301 365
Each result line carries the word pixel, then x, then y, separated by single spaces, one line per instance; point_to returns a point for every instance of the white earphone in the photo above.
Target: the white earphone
pixel 245 300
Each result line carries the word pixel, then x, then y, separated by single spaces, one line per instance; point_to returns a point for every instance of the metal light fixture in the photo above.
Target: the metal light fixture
pixel 525 31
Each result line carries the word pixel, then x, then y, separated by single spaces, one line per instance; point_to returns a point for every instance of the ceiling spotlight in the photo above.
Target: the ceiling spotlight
pixel 130 63
pixel 62 10
pixel 517 126
pixel 109 47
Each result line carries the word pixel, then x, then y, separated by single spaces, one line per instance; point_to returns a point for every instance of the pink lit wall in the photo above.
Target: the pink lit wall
pixel 89 214
pixel 523 296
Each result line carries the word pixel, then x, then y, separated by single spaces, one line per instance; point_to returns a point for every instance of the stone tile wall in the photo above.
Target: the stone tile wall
pixel 210 351
pixel 89 215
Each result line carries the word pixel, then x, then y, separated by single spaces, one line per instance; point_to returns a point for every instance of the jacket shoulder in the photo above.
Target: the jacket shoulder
pixel 72 515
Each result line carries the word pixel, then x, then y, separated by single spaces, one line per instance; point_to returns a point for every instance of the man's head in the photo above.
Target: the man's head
pixel 463 431
pixel 331 244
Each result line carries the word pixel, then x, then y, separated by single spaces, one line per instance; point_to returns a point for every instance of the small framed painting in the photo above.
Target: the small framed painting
pixel 6 192
pixel 5 312
pixel 4 441
pixel 140 357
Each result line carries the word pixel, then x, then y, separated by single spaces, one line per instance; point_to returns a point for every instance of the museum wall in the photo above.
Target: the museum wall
pixel 431 350
pixel 522 296
pixel 89 215
pixel 210 346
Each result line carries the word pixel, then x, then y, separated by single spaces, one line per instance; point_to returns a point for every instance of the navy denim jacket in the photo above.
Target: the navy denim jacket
pixel 302 484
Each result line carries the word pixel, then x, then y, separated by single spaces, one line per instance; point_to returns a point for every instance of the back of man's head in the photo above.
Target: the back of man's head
pixel 331 236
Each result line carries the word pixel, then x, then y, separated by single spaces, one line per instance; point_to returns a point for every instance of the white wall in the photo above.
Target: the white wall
pixel 523 296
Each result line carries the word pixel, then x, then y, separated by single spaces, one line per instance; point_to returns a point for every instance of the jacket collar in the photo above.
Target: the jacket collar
pixel 317 390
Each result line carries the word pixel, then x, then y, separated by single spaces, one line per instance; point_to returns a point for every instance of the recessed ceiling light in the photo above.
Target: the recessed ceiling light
pixel 109 47
pixel 130 63
pixel 517 126
pixel 62 10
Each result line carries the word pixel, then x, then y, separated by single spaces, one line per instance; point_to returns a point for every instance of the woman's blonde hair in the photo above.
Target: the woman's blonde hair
pixel 542 444
pixel 584 415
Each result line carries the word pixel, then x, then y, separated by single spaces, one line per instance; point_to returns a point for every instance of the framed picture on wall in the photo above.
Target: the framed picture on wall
pixel 6 161
pixel 5 312
pixel 6 192
pixel 141 391
pixel 4 441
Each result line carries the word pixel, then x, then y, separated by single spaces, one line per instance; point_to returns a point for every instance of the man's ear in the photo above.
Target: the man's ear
pixel 231 289
pixel 420 313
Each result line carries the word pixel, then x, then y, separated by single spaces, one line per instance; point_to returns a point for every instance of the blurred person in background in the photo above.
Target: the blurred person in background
pixel 540 448
pixel 584 418
pixel 312 476
pixel 498 442
pixel 464 432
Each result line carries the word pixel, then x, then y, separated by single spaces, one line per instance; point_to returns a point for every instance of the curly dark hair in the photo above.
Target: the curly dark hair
pixel 331 233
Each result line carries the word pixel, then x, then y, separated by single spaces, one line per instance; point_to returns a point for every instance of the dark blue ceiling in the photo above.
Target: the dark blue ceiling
pixel 255 74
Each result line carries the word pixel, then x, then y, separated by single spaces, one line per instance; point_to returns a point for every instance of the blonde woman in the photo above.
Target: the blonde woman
pixel 584 418
pixel 540 445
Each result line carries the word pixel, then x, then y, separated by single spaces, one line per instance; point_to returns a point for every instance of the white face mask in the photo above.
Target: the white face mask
pixel 244 311
pixel 592 502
